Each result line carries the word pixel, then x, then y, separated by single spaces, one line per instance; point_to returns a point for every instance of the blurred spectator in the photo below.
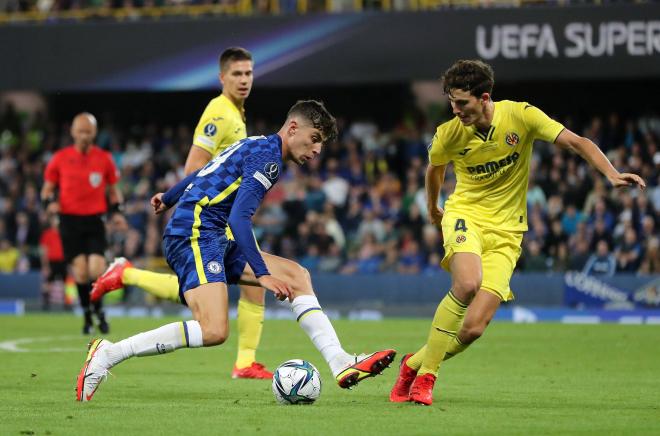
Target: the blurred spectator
pixel 651 261
pixel 628 254
pixel 579 255
pixel 8 257
pixel 53 263
pixel 602 262
pixel 534 259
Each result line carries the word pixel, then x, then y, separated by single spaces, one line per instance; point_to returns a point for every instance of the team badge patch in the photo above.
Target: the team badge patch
pixel 512 139
pixel 214 267
pixel 272 170
pixel 210 129
pixel 460 239
pixel 95 179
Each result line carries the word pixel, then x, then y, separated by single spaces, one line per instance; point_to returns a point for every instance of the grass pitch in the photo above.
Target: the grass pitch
pixel 517 379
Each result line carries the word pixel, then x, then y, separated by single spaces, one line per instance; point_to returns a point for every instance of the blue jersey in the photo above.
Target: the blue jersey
pixel 227 191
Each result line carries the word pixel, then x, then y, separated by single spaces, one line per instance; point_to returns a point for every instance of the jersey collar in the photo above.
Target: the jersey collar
pixel 240 112
pixel 488 136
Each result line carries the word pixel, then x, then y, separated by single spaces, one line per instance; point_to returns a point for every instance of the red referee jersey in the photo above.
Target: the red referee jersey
pixel 82 179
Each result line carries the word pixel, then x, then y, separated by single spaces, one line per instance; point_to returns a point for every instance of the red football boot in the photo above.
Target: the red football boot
pixel 401 391
pixel 421 391
pixel 256 371
pixel 110 280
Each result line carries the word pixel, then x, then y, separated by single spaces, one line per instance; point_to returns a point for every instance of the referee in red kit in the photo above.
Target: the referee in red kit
pixel 82 172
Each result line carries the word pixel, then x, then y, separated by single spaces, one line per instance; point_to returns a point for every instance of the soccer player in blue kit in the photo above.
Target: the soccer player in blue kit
pixel 227 191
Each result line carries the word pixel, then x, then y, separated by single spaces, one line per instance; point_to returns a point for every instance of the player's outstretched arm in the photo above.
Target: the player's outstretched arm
pixel 435 177
pixel 592 154
pixel 197 158
pixel 161 202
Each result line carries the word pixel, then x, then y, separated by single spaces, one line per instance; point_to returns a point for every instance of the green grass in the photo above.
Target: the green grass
pixel 518 379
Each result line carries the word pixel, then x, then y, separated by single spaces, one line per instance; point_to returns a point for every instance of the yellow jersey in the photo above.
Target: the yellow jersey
pixel 221 124
pixel 492 167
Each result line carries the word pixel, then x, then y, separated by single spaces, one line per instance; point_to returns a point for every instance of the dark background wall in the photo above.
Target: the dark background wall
pixel 523 44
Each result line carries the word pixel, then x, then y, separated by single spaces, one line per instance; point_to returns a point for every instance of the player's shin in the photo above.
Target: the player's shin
pixel 446 323
pixel 316 324
pixel 250 325
pixel 162 340
pixel 415 361
pixel 455 347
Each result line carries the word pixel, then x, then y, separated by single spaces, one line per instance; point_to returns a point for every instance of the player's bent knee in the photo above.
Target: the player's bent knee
pixel 301 280
pixel 466 289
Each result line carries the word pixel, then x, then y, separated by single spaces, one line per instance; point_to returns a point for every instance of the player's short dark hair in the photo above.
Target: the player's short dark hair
pixel 233 54
pixel 318 115
pixel 473 76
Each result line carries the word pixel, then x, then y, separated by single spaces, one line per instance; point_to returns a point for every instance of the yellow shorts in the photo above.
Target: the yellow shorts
pixel 499 251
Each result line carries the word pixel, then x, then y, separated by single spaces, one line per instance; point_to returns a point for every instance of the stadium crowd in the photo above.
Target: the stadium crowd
pixel 154 9
pixel 360 208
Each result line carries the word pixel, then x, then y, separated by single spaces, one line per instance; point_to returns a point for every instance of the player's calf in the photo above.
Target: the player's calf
pixel 214 334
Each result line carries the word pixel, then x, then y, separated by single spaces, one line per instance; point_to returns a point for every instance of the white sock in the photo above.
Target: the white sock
pixel 162 340
pixel 316 324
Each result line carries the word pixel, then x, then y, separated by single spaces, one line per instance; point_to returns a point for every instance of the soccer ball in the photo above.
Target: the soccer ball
pixel 296 382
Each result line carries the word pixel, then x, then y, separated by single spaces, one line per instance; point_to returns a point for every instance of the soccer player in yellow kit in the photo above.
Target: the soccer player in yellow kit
pixel 221 124
pixel 490 145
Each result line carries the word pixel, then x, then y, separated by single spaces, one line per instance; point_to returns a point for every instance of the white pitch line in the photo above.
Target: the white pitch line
pixel 15 345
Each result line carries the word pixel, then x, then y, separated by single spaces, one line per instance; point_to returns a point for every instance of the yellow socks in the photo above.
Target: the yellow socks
pixel 250 324
pixel 415 361
pixel 161 285
pixel 446 322
pixel 455 347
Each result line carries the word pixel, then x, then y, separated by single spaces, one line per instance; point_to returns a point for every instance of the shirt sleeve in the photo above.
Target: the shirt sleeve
pixel 171 197
pixel 112 173
pixel 542 126
pixel 52 173
pixel 209 131
pixel 437 149
pixel 260 172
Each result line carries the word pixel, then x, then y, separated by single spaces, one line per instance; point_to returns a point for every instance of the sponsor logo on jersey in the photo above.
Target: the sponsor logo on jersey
pixel 214 267
pixel 272 170
pixel 465 151
pixel 494 166
pixel 95 179
pixel 460 239
pixel 512 138
pixel 210 129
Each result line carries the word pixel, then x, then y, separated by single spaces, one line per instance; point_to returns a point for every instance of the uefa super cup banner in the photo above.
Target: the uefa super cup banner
pixel 582 290
pixel 532 43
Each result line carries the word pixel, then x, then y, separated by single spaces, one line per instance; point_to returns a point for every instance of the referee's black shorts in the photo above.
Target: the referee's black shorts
pixel 82 235
pixel 57 271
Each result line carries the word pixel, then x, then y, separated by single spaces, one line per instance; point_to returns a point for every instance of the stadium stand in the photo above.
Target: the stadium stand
pixel 360 208
pixel 52 11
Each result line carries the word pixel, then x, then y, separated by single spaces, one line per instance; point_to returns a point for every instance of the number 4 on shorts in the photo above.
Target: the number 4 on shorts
pixel 460 225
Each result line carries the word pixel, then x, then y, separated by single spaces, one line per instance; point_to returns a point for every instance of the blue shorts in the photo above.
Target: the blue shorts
pixel 203 260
